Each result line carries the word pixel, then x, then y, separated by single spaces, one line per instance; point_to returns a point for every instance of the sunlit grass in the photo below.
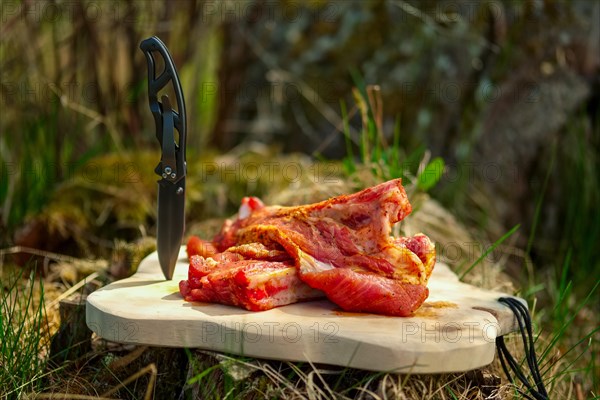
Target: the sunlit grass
pixel 23 334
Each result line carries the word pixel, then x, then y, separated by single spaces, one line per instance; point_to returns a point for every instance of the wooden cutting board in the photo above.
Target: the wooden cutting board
pixel 454 330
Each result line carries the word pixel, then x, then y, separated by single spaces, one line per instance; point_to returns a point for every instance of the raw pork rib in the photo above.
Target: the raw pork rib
pixel 248 275
pixel 341 246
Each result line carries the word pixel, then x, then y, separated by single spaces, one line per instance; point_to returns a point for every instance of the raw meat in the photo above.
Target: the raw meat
pixel 253 284
pixel 341 246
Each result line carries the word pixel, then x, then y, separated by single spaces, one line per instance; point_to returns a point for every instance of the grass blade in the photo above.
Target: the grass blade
pixel 491 248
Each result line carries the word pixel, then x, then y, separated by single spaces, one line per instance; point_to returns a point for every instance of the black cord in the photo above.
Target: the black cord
pixel 507 360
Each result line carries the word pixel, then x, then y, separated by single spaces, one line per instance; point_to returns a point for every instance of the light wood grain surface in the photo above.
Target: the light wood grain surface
pixel 454 330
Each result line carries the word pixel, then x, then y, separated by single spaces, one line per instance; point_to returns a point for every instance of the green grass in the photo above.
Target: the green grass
pixel 376 155
pixel 23 324
pixel 577 169
pixel 569 283
pixel 489 250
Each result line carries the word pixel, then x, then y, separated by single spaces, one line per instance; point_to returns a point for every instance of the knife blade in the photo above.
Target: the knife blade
pixel 172 165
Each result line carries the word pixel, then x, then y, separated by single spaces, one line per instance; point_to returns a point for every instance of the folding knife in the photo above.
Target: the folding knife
pixel 172 165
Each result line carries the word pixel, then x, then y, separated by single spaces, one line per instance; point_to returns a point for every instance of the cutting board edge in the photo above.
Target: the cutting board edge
pixel 485 352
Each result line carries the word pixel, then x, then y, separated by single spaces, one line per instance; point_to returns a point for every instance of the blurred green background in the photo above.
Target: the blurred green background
pixel 506 92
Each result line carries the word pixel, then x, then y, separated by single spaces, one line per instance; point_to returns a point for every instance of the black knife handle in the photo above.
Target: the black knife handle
pixel 172 166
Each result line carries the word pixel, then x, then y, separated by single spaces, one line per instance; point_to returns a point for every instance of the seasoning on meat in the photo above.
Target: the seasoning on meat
pixel 340 247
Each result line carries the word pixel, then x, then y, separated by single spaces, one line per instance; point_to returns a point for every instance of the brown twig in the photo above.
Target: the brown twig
pixel 150 368
pixel 128 359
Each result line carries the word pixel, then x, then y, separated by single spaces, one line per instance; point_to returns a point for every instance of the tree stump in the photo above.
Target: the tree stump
pixel 73 339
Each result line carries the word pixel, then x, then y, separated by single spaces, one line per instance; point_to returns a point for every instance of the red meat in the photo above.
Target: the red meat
pixel 341 246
